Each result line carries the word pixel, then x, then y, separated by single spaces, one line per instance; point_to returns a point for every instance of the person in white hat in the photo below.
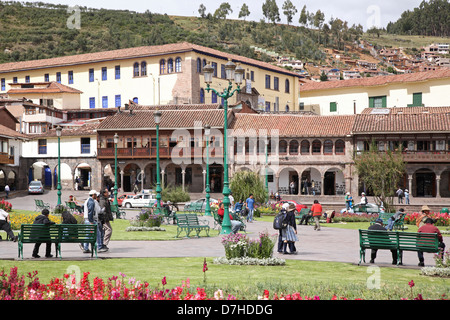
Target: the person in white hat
pixel 406 196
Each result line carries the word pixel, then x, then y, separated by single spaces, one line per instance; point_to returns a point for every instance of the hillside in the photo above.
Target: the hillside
pixel 38 30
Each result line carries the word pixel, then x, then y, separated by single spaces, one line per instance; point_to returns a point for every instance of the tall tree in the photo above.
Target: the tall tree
pixel 289 10
pixel 381 172
pixel 202 10
pixel 303 20
pixel 271 11
pixel 223 10
pixel 245 12
pixel 319 18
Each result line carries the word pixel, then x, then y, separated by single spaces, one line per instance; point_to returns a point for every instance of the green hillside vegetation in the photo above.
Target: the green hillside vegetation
pixel 38 30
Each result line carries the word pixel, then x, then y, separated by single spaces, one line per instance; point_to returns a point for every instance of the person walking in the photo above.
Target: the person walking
pixel 7 190
pixel 289 234
pixel 400 195
pixel 316 210
pixel 406 196
pixel 250 204
pixel 348 198
pixel 107 218
pixel 91 211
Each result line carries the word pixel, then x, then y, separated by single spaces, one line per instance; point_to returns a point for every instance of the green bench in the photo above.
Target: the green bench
pixel 398 225
pixel 301 214
pixel 58 233
pixel 120 214
pixel 189 222
pixel 400 241
pixel 41 205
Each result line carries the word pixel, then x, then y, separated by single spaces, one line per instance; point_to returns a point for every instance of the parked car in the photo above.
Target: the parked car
pixel 35 187
pixel 359 208
pixel 298 206
pixel 121 197
pixel 140 200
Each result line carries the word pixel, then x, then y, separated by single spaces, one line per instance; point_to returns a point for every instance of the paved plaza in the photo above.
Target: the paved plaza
pixel 328 244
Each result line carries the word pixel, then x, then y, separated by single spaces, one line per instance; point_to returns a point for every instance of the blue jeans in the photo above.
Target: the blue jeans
pixel 250 215
pixel 100 234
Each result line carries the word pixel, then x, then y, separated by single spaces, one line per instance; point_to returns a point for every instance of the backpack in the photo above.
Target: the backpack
pixel 280 221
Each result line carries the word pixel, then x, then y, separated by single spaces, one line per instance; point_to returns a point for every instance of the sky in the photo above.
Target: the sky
pixel 368 13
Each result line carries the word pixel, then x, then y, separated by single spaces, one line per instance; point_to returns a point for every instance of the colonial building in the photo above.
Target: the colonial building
pixel 429 89
pixel 156 75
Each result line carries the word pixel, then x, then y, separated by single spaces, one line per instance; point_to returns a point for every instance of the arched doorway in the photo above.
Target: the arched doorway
pixel 66 176
pixel 288 176
pixel 40 171
pixel 311 182
pixel 425 183
pixel 444 185
pixel 333 182
pixel 83 177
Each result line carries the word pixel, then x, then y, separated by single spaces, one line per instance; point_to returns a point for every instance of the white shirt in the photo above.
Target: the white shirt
pixel 3 215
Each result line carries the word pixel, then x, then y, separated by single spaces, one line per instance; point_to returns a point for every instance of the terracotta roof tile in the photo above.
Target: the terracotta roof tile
pixel 130 53
pixel 377 81
pixel 10 133
pixel 409 110
pixel 170 119
pixel 294 125
pixel 401 123
pixel 135 106
pixel 52 87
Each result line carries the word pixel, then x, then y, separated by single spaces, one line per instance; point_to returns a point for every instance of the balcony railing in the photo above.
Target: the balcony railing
pixel 6 158
pixel 164 153
pixel 426 156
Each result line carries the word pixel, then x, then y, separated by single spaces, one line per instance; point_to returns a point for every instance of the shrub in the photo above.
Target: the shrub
pixel 442 219
pixel 5 205
pixel 239 245
pixel 146 219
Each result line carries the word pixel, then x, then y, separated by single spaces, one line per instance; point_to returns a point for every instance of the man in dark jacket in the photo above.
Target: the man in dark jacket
pixel 106 217
pixel 378 225
pixel 43 219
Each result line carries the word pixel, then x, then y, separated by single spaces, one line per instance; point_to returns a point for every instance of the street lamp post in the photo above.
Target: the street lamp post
pixel 116 141
pixel 267 171
pixel 157 116
pixel 235 73
pixel 208 206
pixel 58 134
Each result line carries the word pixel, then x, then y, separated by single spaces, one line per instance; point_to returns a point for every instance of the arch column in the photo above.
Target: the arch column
pixel 438 184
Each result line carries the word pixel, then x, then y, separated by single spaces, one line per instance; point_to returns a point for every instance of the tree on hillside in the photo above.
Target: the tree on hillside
pixel 289 10
pixel 245 12
pixel 202 10
pixel 319 18
pixel 223 10
pixel 271 11
pixel 303 20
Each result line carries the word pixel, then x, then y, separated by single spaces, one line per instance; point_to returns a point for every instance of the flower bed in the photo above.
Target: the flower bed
pixel 442 219
pixel 239 245
pixel 146 219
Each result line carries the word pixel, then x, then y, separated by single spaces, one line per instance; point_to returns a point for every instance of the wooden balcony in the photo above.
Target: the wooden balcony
pixel 6 158
pixel 150 153
pixel 426 156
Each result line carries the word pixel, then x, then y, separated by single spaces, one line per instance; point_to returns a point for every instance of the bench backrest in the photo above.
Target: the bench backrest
pixel 32 233
pixel 192 219
pixel 418 241
pixel 38 233
pixel 182 219
pixel 378 239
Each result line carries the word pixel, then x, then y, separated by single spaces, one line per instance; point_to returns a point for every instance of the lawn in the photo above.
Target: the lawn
pixel 310 278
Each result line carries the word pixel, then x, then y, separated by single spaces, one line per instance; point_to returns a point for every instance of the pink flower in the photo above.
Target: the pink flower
pixel 164 281
pixel 411 284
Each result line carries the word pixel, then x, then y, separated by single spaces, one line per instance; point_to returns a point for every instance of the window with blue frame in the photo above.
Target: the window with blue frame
pixel 267 106
pixel 213 97
pixel 214 65
pixel 223 74
pixel 118 100
pixel 91 75
pixel 3 84
pixel 27 79
pixel 70 76
pixel 15 80
pixel 42 146
pixel 143 68
pixel 92 102
pixel 136 69
pixel 117 72
pixel 105 102
pixel 104 74
pixel 85 145
pixel 287 87
pixel 199 65
pixel 46 77
pixel 267 81
pixel 276 83
pixel 162 66
pixel 202 95
pixel 58 77
pixel 170 65
pixel 178 64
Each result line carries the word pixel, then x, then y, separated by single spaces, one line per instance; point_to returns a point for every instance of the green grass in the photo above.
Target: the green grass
pixel 307 277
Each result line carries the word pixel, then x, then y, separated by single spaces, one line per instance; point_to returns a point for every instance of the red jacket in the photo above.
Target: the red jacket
pixel 430 228
pixel 221 211
pixel 316 209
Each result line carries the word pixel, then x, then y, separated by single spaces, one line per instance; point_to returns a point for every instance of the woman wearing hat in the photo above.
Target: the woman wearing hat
pixel 289 234
pixel 423 216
